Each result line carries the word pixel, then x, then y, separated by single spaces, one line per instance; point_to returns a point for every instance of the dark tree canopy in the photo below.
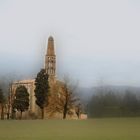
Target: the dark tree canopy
pixel 2 102
pixel 112 104
pixel 21 101
pixel 41 89
pixel 2 99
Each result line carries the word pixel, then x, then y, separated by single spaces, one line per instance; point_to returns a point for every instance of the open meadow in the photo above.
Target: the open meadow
pixel 92 129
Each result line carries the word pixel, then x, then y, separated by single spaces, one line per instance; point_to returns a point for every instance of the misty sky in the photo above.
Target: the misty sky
pixel 94 39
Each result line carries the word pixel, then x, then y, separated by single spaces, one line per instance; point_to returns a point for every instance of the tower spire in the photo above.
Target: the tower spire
pixel 50 49
pixel 50 59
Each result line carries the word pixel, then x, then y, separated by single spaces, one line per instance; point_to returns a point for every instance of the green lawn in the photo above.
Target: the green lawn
pixel 94 129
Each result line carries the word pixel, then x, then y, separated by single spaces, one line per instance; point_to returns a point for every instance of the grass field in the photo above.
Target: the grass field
pixel 94 129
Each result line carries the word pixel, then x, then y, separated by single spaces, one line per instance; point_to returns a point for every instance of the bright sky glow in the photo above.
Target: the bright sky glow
pixel 94 39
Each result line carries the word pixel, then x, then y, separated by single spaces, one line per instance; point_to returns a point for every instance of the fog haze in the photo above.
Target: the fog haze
pixel 93 39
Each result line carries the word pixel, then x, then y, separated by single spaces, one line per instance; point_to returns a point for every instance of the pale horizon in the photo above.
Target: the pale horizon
pixel 94 40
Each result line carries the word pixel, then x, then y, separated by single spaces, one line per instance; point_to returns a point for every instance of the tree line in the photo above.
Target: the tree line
pixel 109 103
pixel 105 102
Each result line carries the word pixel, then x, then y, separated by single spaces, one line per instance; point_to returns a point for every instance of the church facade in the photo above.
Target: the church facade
pixel 56 95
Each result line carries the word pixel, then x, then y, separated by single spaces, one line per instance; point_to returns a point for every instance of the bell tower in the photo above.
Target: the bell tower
pixel 50 60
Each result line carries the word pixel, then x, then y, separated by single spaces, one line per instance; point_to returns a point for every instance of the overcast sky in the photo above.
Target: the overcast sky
pixel 94 39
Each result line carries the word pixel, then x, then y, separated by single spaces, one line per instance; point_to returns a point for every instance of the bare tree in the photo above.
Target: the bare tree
pixel 6 83
pixel 69 99
pixel 63 98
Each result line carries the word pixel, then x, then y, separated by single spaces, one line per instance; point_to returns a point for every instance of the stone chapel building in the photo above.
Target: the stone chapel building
pixel 56 90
